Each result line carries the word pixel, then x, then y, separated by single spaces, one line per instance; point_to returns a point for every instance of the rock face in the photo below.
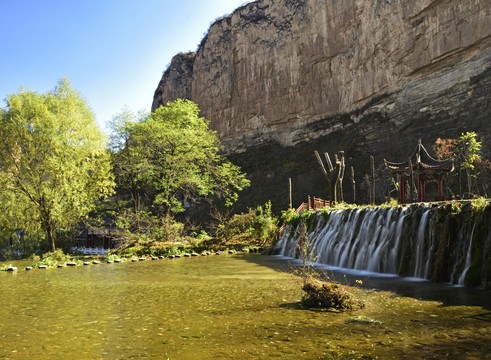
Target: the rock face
pixel 364 76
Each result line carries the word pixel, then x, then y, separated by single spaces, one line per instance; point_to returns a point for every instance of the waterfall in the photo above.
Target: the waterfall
pixel 421 240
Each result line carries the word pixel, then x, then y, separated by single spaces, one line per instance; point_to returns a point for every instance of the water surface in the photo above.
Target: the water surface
pixel 220 307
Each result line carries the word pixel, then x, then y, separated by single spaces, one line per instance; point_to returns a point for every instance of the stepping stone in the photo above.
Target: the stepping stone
pixel 161 257
pixel 110 261
pixel 86 263
pixel 155 258
pixel 95 262
pixel 204 254
pixel 118 260
pixel 12 268
pixel 134 260
pixel 61 266
pixel 171 256
pixel 178 255
pixel 43 266
pixel 194 254
pixel 142 259
pixel 187 255
pixel 29 268
pixel 71 264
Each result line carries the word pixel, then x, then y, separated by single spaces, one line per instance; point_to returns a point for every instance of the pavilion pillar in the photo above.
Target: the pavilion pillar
pixel 87 238
pixel 402 189
pixel 420 193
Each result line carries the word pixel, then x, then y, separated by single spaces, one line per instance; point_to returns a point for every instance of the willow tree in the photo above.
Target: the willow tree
pixel 53 161
pixel 178 158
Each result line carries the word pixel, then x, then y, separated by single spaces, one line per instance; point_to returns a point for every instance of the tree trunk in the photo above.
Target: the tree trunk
pixel 51 237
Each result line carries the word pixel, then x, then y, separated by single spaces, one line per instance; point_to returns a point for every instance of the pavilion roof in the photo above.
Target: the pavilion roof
pixel 422 160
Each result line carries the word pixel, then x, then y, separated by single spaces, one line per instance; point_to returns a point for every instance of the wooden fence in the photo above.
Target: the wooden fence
pixel 312 203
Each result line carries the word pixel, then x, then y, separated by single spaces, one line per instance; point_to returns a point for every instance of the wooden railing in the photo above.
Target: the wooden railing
pixel 312 203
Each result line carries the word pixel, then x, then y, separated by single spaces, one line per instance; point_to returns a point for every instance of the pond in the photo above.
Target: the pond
pixel 219 307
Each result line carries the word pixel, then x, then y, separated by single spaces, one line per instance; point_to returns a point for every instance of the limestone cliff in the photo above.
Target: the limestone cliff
pixel 366 76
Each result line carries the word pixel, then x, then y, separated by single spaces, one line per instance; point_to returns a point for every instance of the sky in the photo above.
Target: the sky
pixel 112 51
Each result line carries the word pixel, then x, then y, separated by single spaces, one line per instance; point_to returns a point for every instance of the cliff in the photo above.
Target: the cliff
pixel 278 78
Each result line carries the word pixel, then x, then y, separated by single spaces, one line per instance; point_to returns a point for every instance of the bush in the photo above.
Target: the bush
pixel 325 295
pixel 255 225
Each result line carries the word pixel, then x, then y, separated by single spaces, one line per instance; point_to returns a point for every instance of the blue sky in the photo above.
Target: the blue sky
pixel 112 51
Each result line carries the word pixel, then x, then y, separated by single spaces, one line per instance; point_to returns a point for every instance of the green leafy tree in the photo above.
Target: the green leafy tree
pixel 171 158
pixel 126 160
pixel 53 162
pixel 465 153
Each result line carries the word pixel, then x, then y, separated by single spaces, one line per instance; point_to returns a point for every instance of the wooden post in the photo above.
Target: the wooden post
pixel 290 191
pixel 372 180
pixel 341 175
pixel 353 184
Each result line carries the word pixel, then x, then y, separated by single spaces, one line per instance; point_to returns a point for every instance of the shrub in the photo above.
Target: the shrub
pixel 326 295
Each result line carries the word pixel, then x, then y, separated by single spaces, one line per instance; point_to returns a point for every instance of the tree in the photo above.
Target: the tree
pixel 464 151
pixel 53 161
pixel 175 157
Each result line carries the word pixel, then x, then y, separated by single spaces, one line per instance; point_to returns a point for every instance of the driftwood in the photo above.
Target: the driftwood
pixel 353 184
pixel 332 176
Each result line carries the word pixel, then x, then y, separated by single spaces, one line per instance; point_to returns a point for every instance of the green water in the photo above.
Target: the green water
pixel 219 307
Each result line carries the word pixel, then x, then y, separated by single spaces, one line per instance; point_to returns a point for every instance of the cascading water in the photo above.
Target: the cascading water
pixel 421 240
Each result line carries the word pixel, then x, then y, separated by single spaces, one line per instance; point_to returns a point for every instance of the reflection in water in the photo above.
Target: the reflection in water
pixel 218 307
